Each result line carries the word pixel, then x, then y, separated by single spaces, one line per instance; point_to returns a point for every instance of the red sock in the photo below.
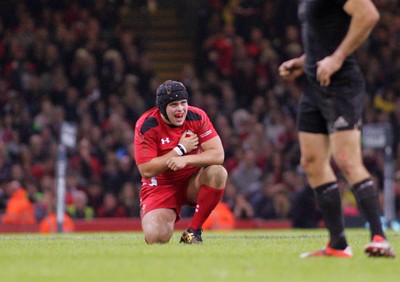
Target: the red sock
pixel 208 198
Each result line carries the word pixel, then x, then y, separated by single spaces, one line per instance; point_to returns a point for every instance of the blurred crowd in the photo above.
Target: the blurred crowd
pixel 81 62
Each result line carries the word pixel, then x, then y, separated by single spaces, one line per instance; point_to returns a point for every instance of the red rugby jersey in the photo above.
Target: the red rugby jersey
pixel 153 138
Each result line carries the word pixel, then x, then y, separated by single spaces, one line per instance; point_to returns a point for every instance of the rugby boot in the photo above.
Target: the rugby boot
pixel 379 247
pixel 330 252
pixel 191 236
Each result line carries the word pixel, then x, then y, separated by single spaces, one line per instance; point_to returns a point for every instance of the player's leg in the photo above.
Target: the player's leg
pixel 315 159
pixel 346 150
pixel 158 225
pixel 205 189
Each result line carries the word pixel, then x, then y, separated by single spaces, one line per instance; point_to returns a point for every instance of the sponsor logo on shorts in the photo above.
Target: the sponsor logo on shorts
pixel 340 122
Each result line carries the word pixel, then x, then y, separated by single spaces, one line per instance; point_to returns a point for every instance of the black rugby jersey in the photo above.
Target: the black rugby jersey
pixel 324 24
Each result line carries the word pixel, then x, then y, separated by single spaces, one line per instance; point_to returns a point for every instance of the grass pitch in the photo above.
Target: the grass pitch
pixel 233 256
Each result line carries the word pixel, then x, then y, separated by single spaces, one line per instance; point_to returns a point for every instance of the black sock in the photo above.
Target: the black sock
pixel 330 204
pixel 367 200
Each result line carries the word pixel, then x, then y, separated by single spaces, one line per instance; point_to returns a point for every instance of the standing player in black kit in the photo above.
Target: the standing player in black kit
pixel 329 115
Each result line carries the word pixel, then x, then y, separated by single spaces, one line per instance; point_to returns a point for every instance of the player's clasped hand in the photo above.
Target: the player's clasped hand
pixel 176 163
pixel 190 142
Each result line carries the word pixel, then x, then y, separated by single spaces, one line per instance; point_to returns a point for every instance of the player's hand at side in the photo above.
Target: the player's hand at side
pixel 326 68
pixel 190 141
pixel 291 69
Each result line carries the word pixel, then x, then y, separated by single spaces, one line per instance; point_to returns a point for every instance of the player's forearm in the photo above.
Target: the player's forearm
pixel 156 165
pixel 364 17
pixel 208 157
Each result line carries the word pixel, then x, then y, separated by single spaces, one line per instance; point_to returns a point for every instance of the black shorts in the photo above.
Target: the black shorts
pixel 329 109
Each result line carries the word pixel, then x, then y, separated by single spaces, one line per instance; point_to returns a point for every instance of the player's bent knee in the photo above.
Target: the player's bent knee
pixel 216 176
pixel 158 226
pixel 157 235
pixel 156 239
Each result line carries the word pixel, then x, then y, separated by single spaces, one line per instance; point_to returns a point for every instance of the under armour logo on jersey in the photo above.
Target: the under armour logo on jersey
pixel 165 140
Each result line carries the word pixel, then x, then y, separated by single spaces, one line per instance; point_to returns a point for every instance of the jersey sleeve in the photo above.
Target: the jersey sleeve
pixel 206 130
pixel 145 145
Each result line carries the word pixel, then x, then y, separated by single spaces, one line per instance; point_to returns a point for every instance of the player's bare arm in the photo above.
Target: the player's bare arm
pixel 293 68
pixel 364 17
pixel 159 164
pixel 213 154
